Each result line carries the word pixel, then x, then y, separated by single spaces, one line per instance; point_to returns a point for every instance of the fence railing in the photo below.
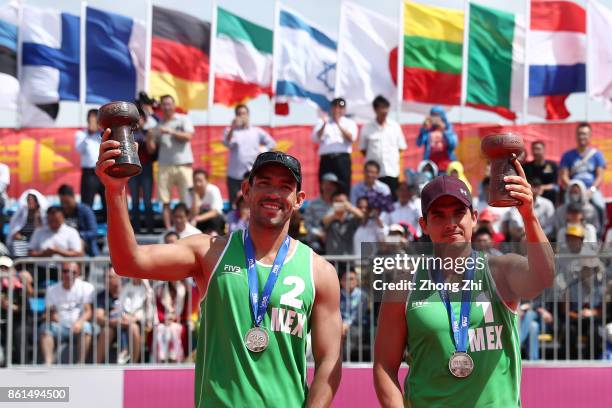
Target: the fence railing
pixel 135 321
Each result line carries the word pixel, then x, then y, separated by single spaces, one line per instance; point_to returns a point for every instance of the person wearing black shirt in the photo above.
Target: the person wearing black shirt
pixel 545 170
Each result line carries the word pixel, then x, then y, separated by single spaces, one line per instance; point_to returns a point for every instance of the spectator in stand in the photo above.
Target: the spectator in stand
pixel 577 193
pixel 483 241
pixel 142 184
pixel 355 312
pixel 238 218
pixel 382 140
pixel 455 169
pixel 425 172
pixel 80 217
pixel 108 317
pixel 137 304
pixel 371 171
pixel 575 216
pixel 171 323
pixel 372 228
pixel 180 221
pixel 486 219
pixel 69 313
pixel 340 224
pixel 31 214
pixel 317 209
pixel 407 208
pixel 543 208
pixel 587 164
pixel 335 137
pixel 56 238
pixel 172 139
pixel 530 314
pixel 244 142
pixel 544 170
pixel 170 237
pixel 87 143
pixel 5 180
pixel 206 205
pixel 438 138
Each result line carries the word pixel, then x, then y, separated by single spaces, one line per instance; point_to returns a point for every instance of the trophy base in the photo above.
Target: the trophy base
pixel 504 202
pixel 121 170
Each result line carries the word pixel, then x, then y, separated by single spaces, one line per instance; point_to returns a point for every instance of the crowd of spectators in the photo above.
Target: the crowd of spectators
pixel 384 208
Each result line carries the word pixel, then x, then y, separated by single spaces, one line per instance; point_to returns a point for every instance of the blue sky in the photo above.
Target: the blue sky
pixel 326 14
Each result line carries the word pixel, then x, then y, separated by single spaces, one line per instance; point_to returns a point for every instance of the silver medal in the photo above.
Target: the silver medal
pixel 461 364
pixel 256 339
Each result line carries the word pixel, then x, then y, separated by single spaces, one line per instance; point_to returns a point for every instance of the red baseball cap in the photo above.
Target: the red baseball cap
pixel 444 186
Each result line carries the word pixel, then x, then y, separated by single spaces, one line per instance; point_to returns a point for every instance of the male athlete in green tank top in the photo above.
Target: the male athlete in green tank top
pixel 420 323
pixel 235 367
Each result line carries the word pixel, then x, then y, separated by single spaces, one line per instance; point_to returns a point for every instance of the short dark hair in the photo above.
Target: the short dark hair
pixel 372 163
pixel 482 231
pixel 339 192
pixel 538 142
pixel 583 124
pixel 200 171
pixel 170 234
pixel 180 207
pixel 536 182
pixel 92 112
pixel 344 271
pixel 65 190
pixel 54 209
pixel 380 102
pixel 167 96
pixel 240 106
pixel 574 208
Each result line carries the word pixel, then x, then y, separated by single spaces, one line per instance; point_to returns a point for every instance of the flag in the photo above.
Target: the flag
pixel 364 58
pixel 496 58
pixel 243 59
pixel 556 56
pixel 433 53
pixel 599 20
pixel 115 56
pixel 50 58
pixel 9 85
pixel 306 64
pixel 179 58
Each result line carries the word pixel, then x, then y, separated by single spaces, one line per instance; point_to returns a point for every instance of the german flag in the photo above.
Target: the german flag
pixel 180 52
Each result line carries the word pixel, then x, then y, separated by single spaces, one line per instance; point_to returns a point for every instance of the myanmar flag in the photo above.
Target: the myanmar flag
pixel 179 58
pixel 433 51
pixel 243 59
pixel 496 54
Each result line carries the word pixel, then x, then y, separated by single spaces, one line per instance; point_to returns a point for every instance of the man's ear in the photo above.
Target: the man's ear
pixel 423 225
pixel 245 187
pixel 300 197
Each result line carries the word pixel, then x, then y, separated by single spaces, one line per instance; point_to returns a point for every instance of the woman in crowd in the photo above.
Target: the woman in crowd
pixel 30 215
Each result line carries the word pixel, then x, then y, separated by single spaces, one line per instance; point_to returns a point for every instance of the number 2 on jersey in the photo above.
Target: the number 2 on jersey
pixel 291 298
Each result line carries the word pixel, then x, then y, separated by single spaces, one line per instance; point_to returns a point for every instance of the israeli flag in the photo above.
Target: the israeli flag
pixel 306 62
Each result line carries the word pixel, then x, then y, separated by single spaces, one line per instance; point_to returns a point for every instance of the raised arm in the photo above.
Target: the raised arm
pixel 326 335
pixel 159 262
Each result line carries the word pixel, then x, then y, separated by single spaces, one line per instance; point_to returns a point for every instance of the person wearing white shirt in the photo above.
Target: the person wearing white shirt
pixel 56 238
pixel 335 137
pixel 382 140
pixel 87 143
pixel 5 179
pixel 206 204
pixel 371 171
pixel 372 228
pixel 180 221
pixel 407 209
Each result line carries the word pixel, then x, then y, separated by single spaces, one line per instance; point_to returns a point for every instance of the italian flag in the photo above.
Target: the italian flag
pixel 433 52
pixel 242 60
pixel 496 54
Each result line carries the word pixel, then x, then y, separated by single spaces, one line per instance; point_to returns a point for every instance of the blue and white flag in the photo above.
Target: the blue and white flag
pixel 50 64
pixel 115 53
pixel 9 85
pixel 306 62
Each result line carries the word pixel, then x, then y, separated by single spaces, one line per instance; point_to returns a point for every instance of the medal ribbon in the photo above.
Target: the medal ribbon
pixel 460 330
pixel 259 309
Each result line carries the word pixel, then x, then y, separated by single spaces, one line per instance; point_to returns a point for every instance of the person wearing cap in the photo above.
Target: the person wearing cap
pixel 382 141
pixel 335 137
pixel 452 364
pixel 244 142
pixel 575 218
pixel 258 287
pixel 317 209
pixel 486 220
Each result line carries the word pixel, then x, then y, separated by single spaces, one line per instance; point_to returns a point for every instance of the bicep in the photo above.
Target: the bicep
pixel 326 320
pixel 391 335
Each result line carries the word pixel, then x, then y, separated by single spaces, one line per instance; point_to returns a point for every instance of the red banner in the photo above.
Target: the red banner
pixel 46 158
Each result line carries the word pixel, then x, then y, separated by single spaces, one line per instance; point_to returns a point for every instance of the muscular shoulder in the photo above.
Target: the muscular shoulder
pixel 324 274
pixel 500 267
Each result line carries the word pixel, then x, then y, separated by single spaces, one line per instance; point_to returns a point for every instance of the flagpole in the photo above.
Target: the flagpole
pixel 526 63
pixel 338 50
pixel 82 65
pixel 400 61
pixel 149 44
pixel 587 87
pixel 211 65
pixel 20 97
pixel 464 58
pixel 274 65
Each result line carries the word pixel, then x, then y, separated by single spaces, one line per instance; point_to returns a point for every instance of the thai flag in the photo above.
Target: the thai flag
pixel 556 56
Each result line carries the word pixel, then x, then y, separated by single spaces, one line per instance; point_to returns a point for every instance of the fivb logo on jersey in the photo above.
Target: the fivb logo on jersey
pixel 234 269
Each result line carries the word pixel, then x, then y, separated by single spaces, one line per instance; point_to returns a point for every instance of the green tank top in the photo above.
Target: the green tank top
pixel 493 345
pixel 229 375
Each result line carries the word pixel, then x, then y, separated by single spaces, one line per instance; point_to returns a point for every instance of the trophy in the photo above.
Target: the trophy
pixel 122 119
pixel 501 149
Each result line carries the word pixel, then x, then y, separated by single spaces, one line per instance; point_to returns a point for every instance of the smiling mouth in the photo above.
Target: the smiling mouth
pixel 270 206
